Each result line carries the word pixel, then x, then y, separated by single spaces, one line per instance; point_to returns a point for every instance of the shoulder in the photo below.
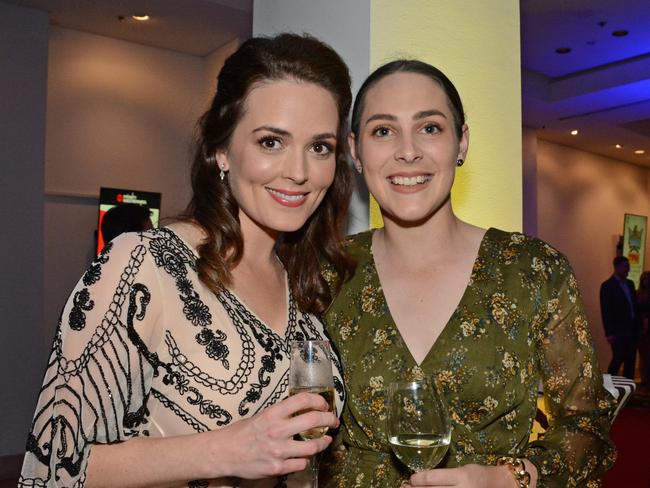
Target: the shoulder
pixel 163 246
pixel 358 248
pixel 358 245
pixel 608 283
pixel 527 250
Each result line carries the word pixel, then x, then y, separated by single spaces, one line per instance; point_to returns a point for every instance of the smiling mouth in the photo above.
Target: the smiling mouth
pixel 289 197
pixel 409 180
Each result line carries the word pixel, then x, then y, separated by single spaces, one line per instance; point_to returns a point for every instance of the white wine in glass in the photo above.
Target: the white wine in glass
pixel 419 429
pixel 327 392
pixel 311 371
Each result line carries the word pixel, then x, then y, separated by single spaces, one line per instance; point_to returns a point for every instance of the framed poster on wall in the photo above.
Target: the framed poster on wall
pixel 635 229
pixel 112 197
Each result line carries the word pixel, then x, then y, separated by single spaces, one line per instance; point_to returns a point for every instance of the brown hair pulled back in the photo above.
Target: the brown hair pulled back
pixel 213 207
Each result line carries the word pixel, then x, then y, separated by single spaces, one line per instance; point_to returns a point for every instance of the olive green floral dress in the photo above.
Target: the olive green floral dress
pixel 519 321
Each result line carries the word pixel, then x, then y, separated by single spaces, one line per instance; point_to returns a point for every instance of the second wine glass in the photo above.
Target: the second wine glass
pixel 419 428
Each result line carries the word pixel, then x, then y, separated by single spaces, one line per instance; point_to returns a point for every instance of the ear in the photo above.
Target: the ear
pixel 463 143
pixel 352 144
pixel 223 161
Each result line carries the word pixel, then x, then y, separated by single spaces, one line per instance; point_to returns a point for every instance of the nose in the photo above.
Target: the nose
pixel 408 150
pixel 295 168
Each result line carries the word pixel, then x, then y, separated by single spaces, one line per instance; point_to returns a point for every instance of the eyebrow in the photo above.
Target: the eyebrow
pixel 420 115
pixel 324 135
pixel 428 113
pixel 286 133
pixel 275 130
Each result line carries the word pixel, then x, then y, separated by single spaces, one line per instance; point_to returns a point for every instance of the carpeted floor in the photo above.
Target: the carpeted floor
pixel 631 434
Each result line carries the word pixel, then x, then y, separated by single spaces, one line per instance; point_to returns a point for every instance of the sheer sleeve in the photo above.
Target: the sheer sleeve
pixel 576 449
pixel 99 373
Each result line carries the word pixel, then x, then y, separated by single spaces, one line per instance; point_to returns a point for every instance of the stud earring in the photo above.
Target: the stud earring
pixel 460 162
pixel 359 168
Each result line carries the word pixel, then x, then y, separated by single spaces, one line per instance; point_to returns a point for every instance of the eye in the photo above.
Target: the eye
pixel 431 129
pixel 270 143
pixel 381 131
pixel 322 148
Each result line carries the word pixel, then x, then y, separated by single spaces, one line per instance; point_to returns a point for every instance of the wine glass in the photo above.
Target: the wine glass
pixel 419 428
pixel 311 371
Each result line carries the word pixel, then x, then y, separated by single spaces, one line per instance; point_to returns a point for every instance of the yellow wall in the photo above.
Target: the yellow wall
pixel 476 44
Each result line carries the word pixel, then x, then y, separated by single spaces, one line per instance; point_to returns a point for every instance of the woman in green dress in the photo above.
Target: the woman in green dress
pixel 489 314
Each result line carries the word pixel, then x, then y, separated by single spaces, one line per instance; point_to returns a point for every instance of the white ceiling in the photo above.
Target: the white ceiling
pixel 601 88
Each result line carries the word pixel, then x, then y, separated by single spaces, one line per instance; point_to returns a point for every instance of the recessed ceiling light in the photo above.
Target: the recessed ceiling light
pixel 574 132
pixel 639 151
pixel 141 18
pixel 620 33
pixel 618 146
pixel 563 50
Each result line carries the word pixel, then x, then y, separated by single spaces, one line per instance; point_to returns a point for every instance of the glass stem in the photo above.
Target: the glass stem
pixel 313 464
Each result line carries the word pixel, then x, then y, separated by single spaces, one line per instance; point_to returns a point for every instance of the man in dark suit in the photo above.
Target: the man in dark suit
pixel 620 315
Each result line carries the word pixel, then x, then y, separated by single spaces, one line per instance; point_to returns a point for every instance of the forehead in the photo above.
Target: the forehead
pixel 288 101
pixel 405 92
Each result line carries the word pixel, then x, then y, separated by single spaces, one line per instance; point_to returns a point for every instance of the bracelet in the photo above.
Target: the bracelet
pixel 518 469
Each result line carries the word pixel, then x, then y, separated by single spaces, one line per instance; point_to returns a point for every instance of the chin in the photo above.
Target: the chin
pixel 409 218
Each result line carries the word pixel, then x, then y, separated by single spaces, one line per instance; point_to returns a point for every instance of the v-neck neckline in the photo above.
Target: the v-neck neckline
pixel 481 251
pixel 289 304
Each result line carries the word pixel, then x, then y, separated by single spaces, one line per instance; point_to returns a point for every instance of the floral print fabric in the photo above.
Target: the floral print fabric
pixel 519 321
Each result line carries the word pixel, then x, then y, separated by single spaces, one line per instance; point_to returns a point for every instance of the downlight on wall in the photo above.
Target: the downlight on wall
pixel 574 132
pixel 639 151
pixel 140 17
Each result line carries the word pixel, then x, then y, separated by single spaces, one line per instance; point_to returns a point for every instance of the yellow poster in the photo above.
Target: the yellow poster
pixel 634 239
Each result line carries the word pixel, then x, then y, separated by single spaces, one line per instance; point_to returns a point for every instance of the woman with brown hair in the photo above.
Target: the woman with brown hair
pixel 487 314
pixel 169 365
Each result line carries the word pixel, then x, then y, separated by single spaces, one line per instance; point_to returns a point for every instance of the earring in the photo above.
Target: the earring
pixel 359 168
pixel 460 162
pixel 222 173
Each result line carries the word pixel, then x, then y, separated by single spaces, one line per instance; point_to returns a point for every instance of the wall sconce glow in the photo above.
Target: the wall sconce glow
pixel 141 18
pixel 574 132
pixel 618 146
pixel 639 151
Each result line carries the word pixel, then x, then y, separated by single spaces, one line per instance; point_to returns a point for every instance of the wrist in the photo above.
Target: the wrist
pixel 517 469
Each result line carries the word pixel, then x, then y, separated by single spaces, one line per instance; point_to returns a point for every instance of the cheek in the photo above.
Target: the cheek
pixel 323 174
pixel 250 169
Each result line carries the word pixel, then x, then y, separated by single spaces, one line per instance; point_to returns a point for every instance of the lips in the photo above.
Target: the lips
pixel 409 181
pixel 288 198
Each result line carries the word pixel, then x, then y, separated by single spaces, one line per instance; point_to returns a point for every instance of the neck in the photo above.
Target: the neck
pixel 422 242
pixel 259 243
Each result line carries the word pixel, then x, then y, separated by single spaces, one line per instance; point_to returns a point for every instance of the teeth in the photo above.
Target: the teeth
pixel 289 198
pixel 409 180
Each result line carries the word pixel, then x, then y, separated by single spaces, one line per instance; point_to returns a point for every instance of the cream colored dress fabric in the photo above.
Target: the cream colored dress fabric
pixel 143 348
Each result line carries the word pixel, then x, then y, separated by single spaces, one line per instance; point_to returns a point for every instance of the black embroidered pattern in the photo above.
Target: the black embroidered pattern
pixel 174 257
pixel 196 311
pixel 215 348
pixel 82 303
pixel 92 274
pixel 105 388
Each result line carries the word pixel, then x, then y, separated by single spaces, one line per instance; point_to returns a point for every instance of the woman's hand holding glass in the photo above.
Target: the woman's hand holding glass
pixel 468 476
pixel 264 446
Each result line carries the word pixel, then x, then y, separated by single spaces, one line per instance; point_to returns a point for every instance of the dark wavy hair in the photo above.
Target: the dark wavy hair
pixel 410 66
pixel 213 207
